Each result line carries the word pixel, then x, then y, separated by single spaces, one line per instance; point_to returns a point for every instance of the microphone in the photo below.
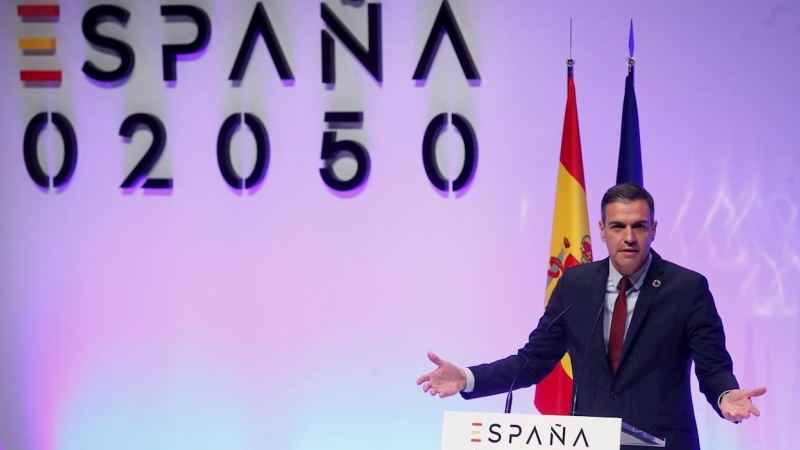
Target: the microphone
pixel 585 354
pixel 510 396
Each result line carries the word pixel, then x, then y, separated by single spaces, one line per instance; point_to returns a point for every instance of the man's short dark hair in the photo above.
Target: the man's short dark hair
pixel 626 193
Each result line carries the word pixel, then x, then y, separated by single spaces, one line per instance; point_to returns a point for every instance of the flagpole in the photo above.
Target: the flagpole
pixel 570 61
pixel 630 67
pixel 630 51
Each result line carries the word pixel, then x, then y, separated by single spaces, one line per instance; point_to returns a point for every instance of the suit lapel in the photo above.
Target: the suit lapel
pixel 598 296
pixel 646 297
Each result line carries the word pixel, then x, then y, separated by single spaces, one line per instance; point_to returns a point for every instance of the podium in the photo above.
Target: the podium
pixel 495 431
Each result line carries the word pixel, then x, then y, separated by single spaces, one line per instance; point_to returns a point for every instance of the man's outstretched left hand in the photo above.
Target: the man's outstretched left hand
pixel 737 406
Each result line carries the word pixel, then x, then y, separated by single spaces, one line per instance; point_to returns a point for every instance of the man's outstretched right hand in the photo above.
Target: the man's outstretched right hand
pixel 445 381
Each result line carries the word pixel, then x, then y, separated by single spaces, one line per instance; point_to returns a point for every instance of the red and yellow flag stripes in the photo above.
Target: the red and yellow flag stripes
pixel 570 244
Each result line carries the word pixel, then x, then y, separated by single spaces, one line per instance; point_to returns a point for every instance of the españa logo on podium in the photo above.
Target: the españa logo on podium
pixel 500 436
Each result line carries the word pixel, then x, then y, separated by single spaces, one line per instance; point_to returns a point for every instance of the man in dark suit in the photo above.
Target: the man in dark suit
pixel 657 317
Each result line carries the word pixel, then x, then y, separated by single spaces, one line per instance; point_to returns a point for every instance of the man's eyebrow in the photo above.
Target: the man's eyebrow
pixel 638 222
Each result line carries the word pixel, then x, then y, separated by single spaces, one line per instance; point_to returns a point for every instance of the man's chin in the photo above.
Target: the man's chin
pixel 628 258
pixel 628 266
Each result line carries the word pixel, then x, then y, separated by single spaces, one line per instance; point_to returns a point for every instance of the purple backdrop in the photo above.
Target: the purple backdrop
pixel 289 317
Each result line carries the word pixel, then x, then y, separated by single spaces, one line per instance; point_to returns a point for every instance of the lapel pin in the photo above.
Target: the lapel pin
pixel 656 283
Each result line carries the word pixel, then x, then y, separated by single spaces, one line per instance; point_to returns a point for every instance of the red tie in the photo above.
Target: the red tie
pixel 617 334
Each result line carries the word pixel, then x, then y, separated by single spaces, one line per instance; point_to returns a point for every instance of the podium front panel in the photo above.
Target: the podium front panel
pixel 495 431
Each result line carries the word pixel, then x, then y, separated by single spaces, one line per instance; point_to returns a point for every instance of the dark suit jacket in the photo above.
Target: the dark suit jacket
pixel 673 323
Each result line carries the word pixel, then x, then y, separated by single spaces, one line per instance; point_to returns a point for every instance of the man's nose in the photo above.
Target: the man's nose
pixel 630 236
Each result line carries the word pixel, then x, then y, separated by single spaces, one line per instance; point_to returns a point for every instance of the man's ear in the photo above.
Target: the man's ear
pixel 603 231
pixel 655 224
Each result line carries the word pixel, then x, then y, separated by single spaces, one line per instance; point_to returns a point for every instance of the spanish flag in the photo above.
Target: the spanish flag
pixel 570 245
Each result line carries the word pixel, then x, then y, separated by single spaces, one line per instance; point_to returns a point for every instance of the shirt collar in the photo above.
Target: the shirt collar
pixel 637 279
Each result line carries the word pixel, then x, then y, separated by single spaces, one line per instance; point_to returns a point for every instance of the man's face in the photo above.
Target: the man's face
pixel 628 233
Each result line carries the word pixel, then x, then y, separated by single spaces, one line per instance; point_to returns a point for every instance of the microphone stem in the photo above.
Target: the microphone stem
pixel 509 397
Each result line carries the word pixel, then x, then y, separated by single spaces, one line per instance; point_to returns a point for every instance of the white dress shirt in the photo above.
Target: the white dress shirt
pixel 612 291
